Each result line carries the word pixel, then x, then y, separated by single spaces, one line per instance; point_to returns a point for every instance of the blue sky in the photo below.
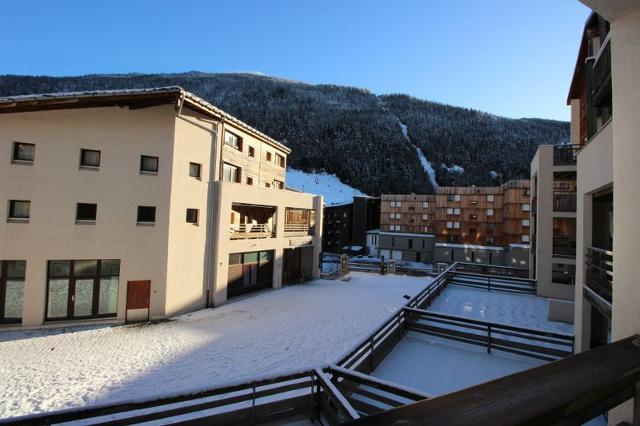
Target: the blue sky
pixel 508 57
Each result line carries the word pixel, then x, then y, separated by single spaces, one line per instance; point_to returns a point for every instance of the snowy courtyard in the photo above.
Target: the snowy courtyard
pixel 295 328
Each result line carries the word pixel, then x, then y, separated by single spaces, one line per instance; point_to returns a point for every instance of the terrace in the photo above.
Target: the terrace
pixel 433 337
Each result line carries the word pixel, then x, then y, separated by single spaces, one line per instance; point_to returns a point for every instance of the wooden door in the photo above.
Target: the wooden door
pixel 138 300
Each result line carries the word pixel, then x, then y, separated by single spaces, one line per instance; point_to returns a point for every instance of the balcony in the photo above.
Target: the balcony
pixel 564 201
pixel 564 247
pixel 299 222
pixel 565 155
pixel 251 230
pixel 599 277
pixel 297 229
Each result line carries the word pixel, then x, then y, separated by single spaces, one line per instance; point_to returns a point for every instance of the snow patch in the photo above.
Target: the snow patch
pixel 426 165
pixel 453 169
pixel 329 186
pixel 493 174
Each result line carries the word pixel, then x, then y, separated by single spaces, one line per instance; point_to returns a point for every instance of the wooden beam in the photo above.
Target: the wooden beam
pixel 566 389
pixel 336 396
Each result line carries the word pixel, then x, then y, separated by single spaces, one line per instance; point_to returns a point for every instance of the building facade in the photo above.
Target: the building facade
pixel 124 205
pixel 346 225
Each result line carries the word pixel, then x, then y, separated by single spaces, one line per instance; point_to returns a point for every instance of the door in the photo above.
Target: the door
pixel 292 266
pixel 138 300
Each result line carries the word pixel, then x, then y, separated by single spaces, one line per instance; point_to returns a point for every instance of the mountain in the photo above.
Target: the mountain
pixel 377 144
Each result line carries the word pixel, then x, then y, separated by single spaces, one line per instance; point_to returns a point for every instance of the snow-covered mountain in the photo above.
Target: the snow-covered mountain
pixel 377 144
pixel 329 186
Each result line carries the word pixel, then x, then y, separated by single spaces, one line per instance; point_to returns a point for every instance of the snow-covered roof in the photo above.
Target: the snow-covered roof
pixel 522 246
pixel 469 246
pixel 407 234
pixel 40 101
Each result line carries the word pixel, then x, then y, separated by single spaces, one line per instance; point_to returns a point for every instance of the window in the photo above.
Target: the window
pixel 473 202
pixel 267 185
pixel 80 289
pixel 278 184
pixel 410 242
pixel 249 180
pixel 525 222
pixel 449 211
pixel 86 212
pixel 24 152
pixel 526 192
pixel 489 212
pixel 146 214
pixel 12 273
pixel 425 229
pixel 449 225
pixel 268 156
pixel 453 197
pixel 525 238
pixel 490 198
pixel 192 216
pixel 230 173
pixel 89 158
pixel 456 211
pixel 394 227
pixel 425 217
pixel 252 151
pixel 148 164
pixel 195 170
pixel 474 217
pixel 425 205
pixel 456 225
pixel 19 209
pixel 279 160
pixel 525 207
pixel 232 140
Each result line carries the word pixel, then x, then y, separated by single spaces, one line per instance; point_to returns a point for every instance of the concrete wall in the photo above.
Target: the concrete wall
pixel 469 255
pixel 595 172
pixel 422 245
pixel 55 183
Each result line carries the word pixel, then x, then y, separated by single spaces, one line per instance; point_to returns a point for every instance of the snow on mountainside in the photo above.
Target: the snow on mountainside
pixel 329 186
pixel 426 165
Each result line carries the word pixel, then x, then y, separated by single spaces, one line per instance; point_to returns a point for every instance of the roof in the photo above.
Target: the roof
pixel 132 98
pixel 470 246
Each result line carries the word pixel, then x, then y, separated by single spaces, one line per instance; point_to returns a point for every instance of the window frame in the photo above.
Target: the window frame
pixel 15 150
pixel 193 220
pixel 238 173
pixel 199 168
pixel 4 277
pixel 78 220
pixel 143 222
pixel 11 210
pixel 280 160
pixel 238 139
pixel 84 166
pixel 149 172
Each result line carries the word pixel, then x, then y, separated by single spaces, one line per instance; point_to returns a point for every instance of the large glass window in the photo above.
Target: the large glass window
pixel 80 289
pixel 12 273
pixel 249 271
pixel 233 140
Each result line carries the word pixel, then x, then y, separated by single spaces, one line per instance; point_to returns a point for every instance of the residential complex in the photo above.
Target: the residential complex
pixel 136 204
pixel 346 225
pixel 470 224
pixel 583 191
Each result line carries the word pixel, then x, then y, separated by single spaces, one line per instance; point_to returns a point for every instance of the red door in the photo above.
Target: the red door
pixel 138 295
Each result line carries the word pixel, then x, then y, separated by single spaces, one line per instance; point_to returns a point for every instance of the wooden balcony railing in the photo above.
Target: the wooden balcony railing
pixel 565 155
pixel 297 229
pixel 599 277
pixel 249 230
pixel 564 201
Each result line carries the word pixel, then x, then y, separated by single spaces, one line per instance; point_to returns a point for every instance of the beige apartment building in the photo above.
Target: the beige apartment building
pixel 136 204
pixel 600 171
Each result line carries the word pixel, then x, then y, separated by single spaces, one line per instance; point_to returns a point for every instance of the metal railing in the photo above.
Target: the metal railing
pixel 564 247
pixel 496 270
pixel 564 201
pixel 493 282
pixel 250 230
pixel 532 343
pixel 297 229
pixel 565 155
pixel 599 276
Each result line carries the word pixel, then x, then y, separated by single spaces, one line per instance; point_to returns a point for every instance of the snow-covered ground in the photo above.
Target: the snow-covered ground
pixel 508 308
pixel 438 366
pixel 329 186
pixel 295 328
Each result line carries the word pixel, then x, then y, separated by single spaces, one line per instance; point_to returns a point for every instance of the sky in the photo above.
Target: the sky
pixel 509 57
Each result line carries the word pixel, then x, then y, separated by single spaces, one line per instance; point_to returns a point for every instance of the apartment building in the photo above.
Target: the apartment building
pixel 346 225
pixel 136 204
pixel 407 227
pixel 483 224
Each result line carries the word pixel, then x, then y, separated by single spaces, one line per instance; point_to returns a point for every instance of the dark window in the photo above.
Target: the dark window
pixel 249 180
pixel 192 216
pixel 252 151
pixel 279 160
pixel 267 185
pixel 249 272
pixel 89 158
pixel 19 209
pixel 233 140
pixel 268 156
pixel 24 151
pixel 278 184
pixel 86 211
pixel 410 243
pixel 148 164
pixel 12 273
pixel 146 214
pixel 195 170
pixel 78 289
